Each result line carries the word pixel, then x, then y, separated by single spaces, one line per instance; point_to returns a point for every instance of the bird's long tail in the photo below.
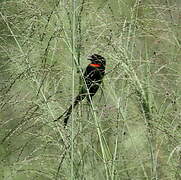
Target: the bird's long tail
pixel 68 112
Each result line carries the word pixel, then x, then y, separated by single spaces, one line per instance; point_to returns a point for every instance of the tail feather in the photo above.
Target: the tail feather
pixel 68 112
pixel 79 98
pixel 67 115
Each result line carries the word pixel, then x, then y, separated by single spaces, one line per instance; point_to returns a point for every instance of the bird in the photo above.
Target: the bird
pixel 92 78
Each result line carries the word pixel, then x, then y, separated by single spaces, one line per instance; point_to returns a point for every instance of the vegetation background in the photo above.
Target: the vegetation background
pixel 132 131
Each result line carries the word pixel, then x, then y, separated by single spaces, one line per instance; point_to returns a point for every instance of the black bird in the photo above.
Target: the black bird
pixel 92 79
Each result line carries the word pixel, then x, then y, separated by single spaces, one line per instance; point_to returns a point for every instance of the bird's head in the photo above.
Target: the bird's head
pixel 97 59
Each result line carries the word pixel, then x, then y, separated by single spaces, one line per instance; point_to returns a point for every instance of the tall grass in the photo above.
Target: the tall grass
pixel 131 129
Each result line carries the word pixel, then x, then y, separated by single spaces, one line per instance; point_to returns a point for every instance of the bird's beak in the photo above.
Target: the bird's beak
pixel 89 57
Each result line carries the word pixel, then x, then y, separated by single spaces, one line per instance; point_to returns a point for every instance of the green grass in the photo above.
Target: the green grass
pixel 131 130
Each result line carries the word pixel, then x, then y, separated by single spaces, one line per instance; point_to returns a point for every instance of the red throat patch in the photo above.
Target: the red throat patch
pixel 95 65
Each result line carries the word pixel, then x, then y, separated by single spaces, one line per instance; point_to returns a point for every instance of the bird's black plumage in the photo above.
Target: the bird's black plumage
pixel 92 79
